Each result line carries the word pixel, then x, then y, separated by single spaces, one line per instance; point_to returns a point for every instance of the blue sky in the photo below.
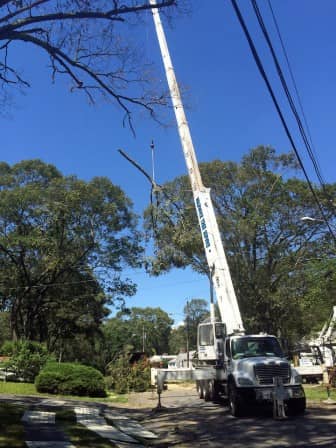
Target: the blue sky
pixel 228 108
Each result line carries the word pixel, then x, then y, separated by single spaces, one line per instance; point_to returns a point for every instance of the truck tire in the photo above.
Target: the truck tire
pixel 296 406
pixel 199 388
pixel 206 390
pixel 213 390
pixel 236 402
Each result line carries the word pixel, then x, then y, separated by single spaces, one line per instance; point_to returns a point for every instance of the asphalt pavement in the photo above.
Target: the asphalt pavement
pixel 186 421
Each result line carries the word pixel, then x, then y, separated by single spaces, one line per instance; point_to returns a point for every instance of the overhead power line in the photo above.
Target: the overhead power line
pixel 291 73
pixel 281 116
pixel 306 140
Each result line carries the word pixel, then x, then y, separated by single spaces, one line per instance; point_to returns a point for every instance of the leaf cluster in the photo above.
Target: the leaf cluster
pixel 124 377
pixel 26 358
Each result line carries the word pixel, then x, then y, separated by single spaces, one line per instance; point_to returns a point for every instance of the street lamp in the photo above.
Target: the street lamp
pixel 310 219
pixel 323 221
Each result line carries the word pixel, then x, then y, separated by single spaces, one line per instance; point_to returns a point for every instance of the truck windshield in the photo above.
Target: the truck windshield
pixel 249 347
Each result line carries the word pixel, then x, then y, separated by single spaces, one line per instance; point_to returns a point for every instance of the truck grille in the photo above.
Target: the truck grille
pixel 266 372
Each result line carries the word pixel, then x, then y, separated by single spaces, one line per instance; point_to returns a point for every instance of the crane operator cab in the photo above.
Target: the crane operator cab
pixel 210 341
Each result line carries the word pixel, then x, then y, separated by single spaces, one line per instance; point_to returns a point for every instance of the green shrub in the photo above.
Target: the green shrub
pixel 70 379
pixel 140 376
pixel 7 348
pixel 27 358
pixel 124 377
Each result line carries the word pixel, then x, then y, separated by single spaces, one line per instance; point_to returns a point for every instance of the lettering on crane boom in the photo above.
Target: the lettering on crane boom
pixel 202 223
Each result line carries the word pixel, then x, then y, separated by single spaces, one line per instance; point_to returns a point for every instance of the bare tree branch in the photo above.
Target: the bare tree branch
pixel 104 15
pixel 22 10
pixel 85 43
pixel 4 3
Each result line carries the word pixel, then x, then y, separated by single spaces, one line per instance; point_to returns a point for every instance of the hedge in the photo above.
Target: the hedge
pixel 70 379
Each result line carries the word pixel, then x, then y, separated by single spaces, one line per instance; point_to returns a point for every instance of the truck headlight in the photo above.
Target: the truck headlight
pixel 242 381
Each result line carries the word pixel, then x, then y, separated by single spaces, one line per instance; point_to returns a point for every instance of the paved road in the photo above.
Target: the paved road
pixel 186 421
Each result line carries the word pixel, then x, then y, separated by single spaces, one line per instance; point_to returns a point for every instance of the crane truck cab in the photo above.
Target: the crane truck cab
pixel 247 368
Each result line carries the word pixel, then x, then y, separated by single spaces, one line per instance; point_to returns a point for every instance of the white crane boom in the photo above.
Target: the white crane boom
pixel 216 259
pixel 328 328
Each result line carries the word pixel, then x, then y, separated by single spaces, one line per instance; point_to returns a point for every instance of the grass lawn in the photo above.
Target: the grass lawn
pixel 29 389
pixel 313 393
pixel 318 393
pixel 11 428
pixel 12 433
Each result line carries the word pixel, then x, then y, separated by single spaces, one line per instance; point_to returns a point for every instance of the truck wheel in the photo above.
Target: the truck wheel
pixel 236 403
pixel 213 390
pixel 199 388
pixel 207 390
pixel 296 406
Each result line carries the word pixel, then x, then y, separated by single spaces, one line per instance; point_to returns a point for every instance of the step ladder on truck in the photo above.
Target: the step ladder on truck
pixel 243 368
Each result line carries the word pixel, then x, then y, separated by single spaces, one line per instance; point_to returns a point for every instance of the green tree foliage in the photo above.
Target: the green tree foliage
pixel 136 329
pixel 195 311
pixel 27 359
pixel 124 377
pixel 184 337
pixel 118 336
pixel 5 332
pixel 315 280
pixel 178 340
pixel 63 244
pixel 259 204
pixel 150 328
pixel 87 42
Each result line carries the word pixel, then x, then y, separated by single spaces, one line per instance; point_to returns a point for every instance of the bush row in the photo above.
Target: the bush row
pixel 30 361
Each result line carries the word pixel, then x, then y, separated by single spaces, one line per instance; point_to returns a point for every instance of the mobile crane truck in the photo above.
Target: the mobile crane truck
pixel 243 368
pixel 319 361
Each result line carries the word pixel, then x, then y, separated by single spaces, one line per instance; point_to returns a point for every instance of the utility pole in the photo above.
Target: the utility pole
pixel 187 319
pixel 143 338
pixel 153 165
